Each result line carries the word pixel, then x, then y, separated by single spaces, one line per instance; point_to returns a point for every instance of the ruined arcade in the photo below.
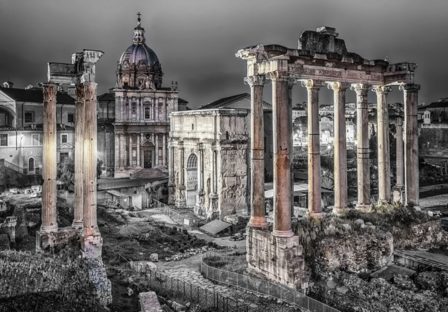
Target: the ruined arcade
pixel 321 58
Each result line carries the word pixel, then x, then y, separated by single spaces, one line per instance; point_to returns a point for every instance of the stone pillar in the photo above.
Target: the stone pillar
pixel 122 155
pixel 340 147
pixel 139 165
pixel 398 189
pixel 49 212
pixel 282 131
pixel 163 149
pixel 117 152
pixel 91 241
pixel 291 83
pixel 314 188
pixel 411 164
pixel 171 182
pixel 79 158
pixel 384 188
pixel 156 105
pixel 130 140
pixel 181 200
pixel 157 150
pixel 362 137
pixel 258 213
pixel 201 193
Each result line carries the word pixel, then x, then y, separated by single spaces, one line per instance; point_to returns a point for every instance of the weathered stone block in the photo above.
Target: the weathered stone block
pixel 149 302
pixel 60 239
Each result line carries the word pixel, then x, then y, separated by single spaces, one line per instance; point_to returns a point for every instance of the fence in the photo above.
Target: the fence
pixel 180 290
pixel 176 217
pixel 261 287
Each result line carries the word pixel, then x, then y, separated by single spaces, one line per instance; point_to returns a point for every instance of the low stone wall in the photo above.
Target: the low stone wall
pixel 355 251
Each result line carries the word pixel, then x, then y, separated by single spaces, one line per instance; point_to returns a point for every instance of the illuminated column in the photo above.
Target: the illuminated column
pixel 257 218
pixel 49 212
pixel 79 158
pixel 314 189
pixel 91 241
pixel 384 188
pixel 282 131
pixel 340 147
pixel 411 164
pixel 362 137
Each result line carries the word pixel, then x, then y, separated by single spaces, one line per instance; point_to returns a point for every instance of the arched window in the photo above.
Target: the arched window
pixel 31 164
pixel 192 161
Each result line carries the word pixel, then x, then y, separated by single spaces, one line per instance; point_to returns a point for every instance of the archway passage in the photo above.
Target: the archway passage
pixel 192 179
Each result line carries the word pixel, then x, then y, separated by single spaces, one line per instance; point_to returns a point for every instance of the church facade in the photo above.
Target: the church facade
pixel 133 118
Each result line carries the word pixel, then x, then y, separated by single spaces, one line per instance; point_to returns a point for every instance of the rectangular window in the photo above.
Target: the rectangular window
pixel 3 140
pixel 29 116
pixel 147 113
pixel 70 118
pixel 64 138
pixel 35 140
pixel 62 156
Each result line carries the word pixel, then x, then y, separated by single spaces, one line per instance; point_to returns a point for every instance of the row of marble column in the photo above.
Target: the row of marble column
pixel 124 159
pixel 85 216
pixel 282 86
pixel 126 113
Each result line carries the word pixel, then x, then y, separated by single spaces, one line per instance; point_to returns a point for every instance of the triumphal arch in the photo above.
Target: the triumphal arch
pixel 320 59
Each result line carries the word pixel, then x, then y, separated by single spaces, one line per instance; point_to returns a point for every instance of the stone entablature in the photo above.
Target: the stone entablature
pixel 209 161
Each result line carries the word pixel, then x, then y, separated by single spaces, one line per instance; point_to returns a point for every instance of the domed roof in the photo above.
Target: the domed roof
pixel 137 52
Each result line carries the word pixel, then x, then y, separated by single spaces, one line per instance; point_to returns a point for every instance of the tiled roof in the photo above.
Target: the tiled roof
pixel 232 102
pixel 442 103
pixel 106 97
pixel 35 96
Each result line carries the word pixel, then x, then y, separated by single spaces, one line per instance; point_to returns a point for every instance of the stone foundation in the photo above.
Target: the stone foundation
pixel 59 239
pixel 98 277
pixel 276 258
pixel 91 246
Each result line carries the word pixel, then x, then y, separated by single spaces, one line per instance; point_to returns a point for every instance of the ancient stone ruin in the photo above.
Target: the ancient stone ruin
pixel 321 58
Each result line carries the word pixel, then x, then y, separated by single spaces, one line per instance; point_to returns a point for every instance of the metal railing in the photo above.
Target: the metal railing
pixel 261 287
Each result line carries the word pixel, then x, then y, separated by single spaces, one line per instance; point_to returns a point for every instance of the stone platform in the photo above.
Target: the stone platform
pixel 63 237
pixel 276 258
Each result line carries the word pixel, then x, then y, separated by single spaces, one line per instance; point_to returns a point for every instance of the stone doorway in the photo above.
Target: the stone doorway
pixel 192 180
pixel 147 158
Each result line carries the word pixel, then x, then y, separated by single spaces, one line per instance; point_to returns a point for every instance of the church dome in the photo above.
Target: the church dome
pixel 138 52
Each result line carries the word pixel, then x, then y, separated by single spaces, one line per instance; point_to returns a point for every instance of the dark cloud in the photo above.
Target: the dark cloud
pixel 196 40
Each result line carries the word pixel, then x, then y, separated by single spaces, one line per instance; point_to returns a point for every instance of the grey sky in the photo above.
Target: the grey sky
pixel 196 40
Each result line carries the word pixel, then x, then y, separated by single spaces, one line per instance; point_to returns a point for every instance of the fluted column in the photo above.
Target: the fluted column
pixel 399 137
pixel 362 137
pixel 163 149
pixel 122 154
pixel 157 149
pixel 138 151
pixel 181 201
pixel 411 164
pixel 384 188
pixel 49 212
pixel 340 147
pixel 130 141
pixel 171 183
pixel 291 83
pixel 314 186
pixel 117 152
pixel 282 131
pixel 258 214
pixel 200 193
pixel 79 158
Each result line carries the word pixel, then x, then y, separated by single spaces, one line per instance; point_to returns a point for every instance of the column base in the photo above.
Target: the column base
pixel 339 211
pixel 48 229
pixel 258 223
pixel 59 239
pixel 77 225
pixel 363 208
pixel 315 215
pixel 91 246
pixel 279 260
pixel 284 234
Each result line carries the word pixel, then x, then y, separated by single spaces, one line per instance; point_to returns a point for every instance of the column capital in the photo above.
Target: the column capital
pixel 312 84
pixel 49 91
pixel 360 88
pixel 381 89
pixel 409 87
pixel 255 80
pixel 279 75
pixel 338 86
pixel 291 82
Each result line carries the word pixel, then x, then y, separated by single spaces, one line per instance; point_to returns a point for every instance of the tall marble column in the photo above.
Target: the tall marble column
pixel 122 154
pixel 291 83
pixel 314 188
pixel 157 149
pixel 258 214
pixel 200 194
pixel 117 153
pixel 163 149
pixel 49 158
pixel 362 137
pixel 398 189
pixel 181 200
pixel 411 163
pixel 79 158
pixel 131 158
pixel 91 238
pixel 171 182
pixel 139 165
pixel 384 188
pixel 340 147
pixel 282 131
